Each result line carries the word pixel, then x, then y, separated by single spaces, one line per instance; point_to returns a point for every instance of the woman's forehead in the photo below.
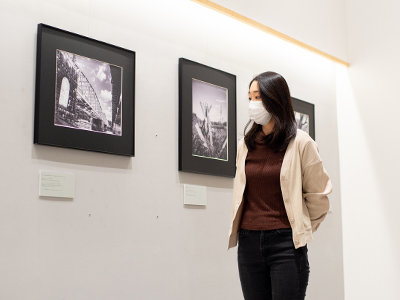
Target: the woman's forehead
pixel 254 87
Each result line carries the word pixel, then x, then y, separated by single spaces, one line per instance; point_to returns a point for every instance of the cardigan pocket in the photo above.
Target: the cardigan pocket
pixel 306 217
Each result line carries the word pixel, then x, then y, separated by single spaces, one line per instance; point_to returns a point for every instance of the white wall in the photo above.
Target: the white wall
pixel 368 106
pixel 140 241
pixel 321 24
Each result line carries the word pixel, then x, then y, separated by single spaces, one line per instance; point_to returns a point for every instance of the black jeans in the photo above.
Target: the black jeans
pixel 270 267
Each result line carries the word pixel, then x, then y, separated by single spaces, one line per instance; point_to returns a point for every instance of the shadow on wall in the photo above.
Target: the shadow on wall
pixel 205 180
pixel 81 157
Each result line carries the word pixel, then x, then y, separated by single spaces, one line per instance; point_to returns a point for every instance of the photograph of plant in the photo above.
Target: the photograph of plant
pixel 209 120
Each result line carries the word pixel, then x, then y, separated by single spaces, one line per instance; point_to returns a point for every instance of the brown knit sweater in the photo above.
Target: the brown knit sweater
pixel 263 203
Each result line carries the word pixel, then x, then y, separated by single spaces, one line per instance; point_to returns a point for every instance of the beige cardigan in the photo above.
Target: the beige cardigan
pixel 304 184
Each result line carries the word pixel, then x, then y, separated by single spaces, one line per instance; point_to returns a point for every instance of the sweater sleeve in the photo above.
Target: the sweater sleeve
pixel 316 186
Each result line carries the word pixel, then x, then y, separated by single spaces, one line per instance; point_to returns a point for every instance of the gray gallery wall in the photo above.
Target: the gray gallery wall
pixel 368 106
pixel 321 24
pixel 127 234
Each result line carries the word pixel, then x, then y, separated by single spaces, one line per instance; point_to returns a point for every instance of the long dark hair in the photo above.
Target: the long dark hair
pixel 276 99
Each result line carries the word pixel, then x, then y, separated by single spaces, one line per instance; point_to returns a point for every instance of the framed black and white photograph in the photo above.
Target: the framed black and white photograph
pixel 84 93
pixel 305 116
pixel 207 120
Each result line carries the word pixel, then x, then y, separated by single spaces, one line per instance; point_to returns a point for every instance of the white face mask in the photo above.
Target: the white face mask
pixel 258 113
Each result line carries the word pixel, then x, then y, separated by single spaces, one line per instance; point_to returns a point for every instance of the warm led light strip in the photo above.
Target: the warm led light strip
pixel 257 25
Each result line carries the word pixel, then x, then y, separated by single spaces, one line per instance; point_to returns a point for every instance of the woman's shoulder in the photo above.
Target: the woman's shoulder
pixel 303 138
pixel 307 147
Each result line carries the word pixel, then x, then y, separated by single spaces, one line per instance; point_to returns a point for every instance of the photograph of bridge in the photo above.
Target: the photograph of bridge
pixel 88 94
pixel 209 120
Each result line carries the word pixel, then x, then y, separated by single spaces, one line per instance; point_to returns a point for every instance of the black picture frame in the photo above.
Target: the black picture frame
pixel 305 109
pixel 215 92
pixel 71 108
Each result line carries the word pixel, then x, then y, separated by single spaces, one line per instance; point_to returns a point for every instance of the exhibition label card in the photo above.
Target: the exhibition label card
pixel 195 194
pixel 57 184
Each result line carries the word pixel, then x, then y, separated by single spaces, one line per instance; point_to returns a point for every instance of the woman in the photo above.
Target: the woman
pixel 280 195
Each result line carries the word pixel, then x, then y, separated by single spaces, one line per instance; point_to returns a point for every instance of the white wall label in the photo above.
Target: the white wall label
pixel 194 194
pixel 57 184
